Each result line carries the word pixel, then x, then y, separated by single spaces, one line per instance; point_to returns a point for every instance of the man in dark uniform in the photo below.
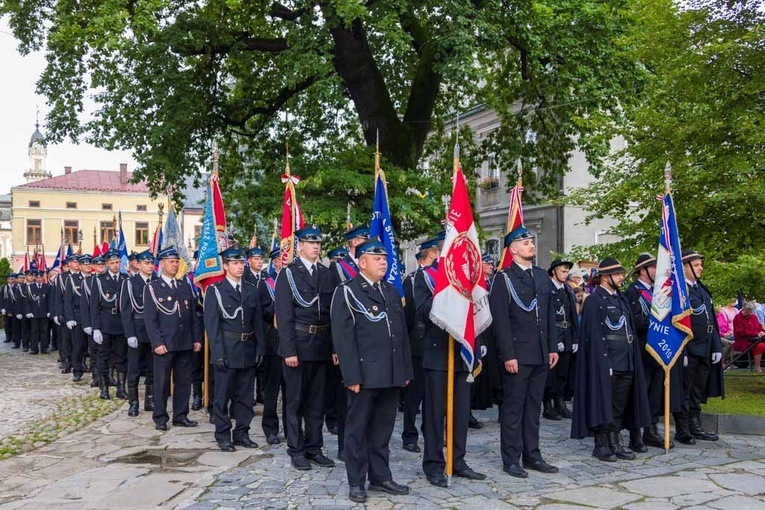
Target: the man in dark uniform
pixel 702 371
pixel 335 401
pixel 73 317
pixel 435 364
pixel 108 332
pixel 303 297
pixel 415 390
pixel 26 315
pixel 639 295
pixel 57 310
pixel 372 345
pixel 610 392
pixel 139 353
pixel 234 325
pixel 170 320
pixel 567 331
pixel 18 311
pixel 524 331
pixel 337 254
pixel 253 273
pixel 198 358
pixel 98 267
pixel 39 296
pixel 6 303
pixel 272 362
pixel 133 264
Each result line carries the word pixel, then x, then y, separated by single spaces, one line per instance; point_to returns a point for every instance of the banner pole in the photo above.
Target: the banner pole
pixel 666 410
pixel 206 382
pixel 450 413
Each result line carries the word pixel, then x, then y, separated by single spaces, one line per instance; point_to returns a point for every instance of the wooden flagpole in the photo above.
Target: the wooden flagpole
pixel 667 189
pixel 206 384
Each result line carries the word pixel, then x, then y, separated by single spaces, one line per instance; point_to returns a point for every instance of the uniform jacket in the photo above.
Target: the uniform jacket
pixel 58 294
pixel 564 303
pixel 73 299
pixel 704 343
pixel 266 293
pixel 87 290
pixel 369 335
pixel 170 316
pixel 343 270
pixel 132 309
pixel 251 277
pixel 228 315
pixel 414 325
pixel 105 303
pixel 526 336
pixel 7 300
pixel 309 308
pixel 592 386
pixel 39 298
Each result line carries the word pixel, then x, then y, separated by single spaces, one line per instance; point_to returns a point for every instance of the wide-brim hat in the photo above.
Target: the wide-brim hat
pixel 643 260
pixel 557 263
pixel 691 255
pixel 610 265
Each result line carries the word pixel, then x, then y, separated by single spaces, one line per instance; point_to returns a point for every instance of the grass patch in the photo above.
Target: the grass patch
pixel 744 394
pixel 71 415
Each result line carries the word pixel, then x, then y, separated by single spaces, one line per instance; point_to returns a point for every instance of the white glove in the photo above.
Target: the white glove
pixel 685 361
pixel 48 315
pixel 30 316
pixel 88 331
pixel 561 347
pixel 484 350
pixel 98 337
pixel 19 316
pixel 3 310
pixel 56 320
pixel 71 324
pixel 574 348
pixel 716 357
pixel 133 342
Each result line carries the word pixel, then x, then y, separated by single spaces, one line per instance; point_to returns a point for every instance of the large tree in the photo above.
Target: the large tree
pixel 329 76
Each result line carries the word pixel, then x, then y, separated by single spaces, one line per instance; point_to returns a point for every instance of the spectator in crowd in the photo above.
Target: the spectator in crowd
pixel 725 323
pixel 747 330
pixel 759 312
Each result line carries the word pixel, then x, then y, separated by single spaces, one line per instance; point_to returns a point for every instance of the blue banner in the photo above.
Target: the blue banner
pixel 122 248
pixel 670 318
pixel 209 264
pixel 382 227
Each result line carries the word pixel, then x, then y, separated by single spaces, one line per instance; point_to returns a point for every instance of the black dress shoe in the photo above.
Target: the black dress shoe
pixel 685 438
pixel 469 474
pixel 390 487
pixel 321 460
pixel 473 423
pixel 77 378
pixel 43 351
pixel 272 439
pixel 540 465
pixel 246 442
pixel 185 422
pixel 333 430
pixel 226 446
pixel 412 447
pixel 161 426
pixel 34 352
pixel 357 494
pixel 437 480
pixel 515 470
pixel 341 456
pixel 301 463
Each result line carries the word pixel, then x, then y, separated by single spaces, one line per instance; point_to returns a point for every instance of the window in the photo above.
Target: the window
pixel 489 174
pixel 107 231
pixel 197 232
pixel 142 234
pixel 140 208
pixel 34 203
pixel 492 248
pixel 71 231
pixel 34 232
pixel 71 205
pixel 106 207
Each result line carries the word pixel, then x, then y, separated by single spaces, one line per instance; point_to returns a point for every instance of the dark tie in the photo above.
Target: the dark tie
pixel 238 289
pixel 173 285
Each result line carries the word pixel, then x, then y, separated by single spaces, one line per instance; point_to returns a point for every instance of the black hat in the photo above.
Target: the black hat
pixel 644 260
pixel 310 234
pixel 610 265
pixel 358 231
pixel 557 263
pixel 429 243
pixel 232 253
pixel 371 247
pixel 691 255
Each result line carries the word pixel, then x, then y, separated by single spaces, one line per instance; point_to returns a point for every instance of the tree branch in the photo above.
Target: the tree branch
pixel 241 42
pixel 281 11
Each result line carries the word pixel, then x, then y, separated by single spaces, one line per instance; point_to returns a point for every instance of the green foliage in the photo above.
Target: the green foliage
pixel 328 77
pixel 744 395
pixel 745 274
pixel 5 270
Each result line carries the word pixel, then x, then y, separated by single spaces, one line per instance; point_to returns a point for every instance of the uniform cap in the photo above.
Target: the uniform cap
pixel 691 255
pixel 557 263
pixel 112 255
pixel 358 231
pixel 338 252
pixel 167 253
pixel 256 252
pixel 145 255
pixel 232 253
pixel 517 234
pixel 371 247
pixel 311 234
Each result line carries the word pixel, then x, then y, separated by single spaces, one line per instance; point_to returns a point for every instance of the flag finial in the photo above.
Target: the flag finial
pixel 215 156
pixel 667 176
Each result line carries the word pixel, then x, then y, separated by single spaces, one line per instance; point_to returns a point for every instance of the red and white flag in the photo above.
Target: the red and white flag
pixel 292 218
pixel 460 297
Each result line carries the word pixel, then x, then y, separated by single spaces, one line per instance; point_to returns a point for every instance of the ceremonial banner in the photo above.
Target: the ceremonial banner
pixel 382 228
pixel 670 318
pixel 292 218
pixel 210 266
pixel 122 247
pixel 460 298
pixel 514 220
pixel 171 236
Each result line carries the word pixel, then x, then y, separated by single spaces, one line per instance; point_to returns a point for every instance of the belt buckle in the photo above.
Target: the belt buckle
pixel 630 338
pixel 564 324
pixel 710 328
pixel 113 311
pixel 244 337
pixel 313 328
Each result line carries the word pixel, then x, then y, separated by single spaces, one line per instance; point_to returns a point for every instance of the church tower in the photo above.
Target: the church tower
pixel 38 151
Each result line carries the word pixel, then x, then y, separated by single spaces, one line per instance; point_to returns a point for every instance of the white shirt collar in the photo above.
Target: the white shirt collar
pixel 557 284
pixel 522 266
pixel 308 263
pixel 370 282
pixel 167 279
pixel 234 283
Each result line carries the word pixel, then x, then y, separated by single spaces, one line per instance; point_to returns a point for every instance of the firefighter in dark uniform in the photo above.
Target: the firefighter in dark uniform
pixel 57 310
pixel 6 303
pixel 567 330
pixel 639 295
pixel 702 368
pixel 610 392
pixel 198 358
pixel 98 265
pixel 18 310
pixel 337 254
pixel 170 319
pixel 372 345
pixel 73 317
pixel 415 390
pixel 26 315
pixel 139 353
pixel 108 332
pixel 254 273
pixel 435 361
pixel 39 295
pixel 303 296
pixel 272 362
pixel 234 325
pixel 524 331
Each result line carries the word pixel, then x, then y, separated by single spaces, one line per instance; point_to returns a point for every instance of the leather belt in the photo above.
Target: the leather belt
pixel 312 328
pixel 710 329
pixel 564 325
pixel 138 316
pixel 114 311
pixel 241 337
pixel 620 338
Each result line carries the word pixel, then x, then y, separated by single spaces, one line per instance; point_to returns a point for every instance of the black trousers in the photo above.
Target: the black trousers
pixel 79 343
pixel 140 359
pixel 8 326
pixel 230 382
pixel 557 378
pixel 272 367
pixel 65 347
pixel 17 331
pixel 341 402
pixel 519 415
pixel 695 377
pixel 371 415
pixel 198 367
pixel 413 395
pixel 332 387
pixel 434 420
pixel 93 349
pixel 53 334
pixel 112 353
pixel 38 336
pixel 179 363
pixel 305 406
pixel 26 332
pixel 654 379
pixel 621 391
